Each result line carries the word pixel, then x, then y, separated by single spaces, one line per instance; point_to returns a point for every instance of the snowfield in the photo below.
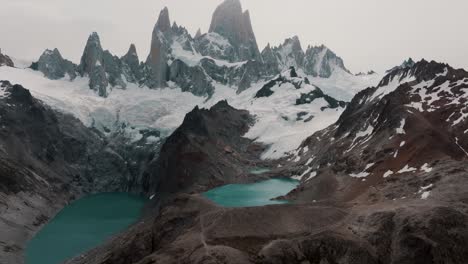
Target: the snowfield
pixel 277 123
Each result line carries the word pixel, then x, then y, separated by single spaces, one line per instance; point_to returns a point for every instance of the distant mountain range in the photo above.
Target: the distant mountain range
pixel 227 54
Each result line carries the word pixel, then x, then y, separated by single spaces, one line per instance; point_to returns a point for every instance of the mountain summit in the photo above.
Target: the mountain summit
pixel 230 22
pixel 227 55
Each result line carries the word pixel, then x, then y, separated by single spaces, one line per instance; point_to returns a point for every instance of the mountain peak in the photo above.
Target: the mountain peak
pixel 295 42
pixel 198 34
pixel 164 23
pixel 230 22
pixel 132 50
pixel 94 40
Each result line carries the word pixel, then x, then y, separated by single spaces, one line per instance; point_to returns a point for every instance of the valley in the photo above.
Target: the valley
pixel 214 151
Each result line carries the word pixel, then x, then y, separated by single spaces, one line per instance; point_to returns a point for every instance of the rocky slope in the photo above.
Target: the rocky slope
pixel 232 23
pixel 385 184
pixel 5 60
pixel 48 159
pixel 207 150
pixel 314 61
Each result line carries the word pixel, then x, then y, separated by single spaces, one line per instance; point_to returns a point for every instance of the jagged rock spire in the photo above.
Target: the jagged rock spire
pixel 92 54
pixel 198 34
pixel 131 65
pixel 230 22
pixel 164 23
pixel 54 66
pixel 158 57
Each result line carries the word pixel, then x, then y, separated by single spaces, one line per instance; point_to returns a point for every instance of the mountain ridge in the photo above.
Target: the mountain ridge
pixel 227 54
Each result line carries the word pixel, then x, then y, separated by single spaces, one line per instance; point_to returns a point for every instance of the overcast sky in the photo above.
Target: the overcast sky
pixel 367 34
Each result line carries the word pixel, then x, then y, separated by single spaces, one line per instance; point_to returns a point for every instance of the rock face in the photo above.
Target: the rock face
pixel 191 79
pixel 54 66
pixel 159 52
pixel 194 157
pixel 230 22
pixel 92 65
pixel 290 54
pixel 321 61
pixel 406 64
pixel 132 68
pixel 106 70
pixel 315 61
pixel 5 60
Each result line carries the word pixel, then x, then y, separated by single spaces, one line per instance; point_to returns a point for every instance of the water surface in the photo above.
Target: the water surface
pixel 253 194
pixel 83 225
pixel 259 170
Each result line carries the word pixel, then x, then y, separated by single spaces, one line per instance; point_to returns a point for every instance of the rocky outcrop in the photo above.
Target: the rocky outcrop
pixel 157 61
pixel 270 61
pixel 103 69
pixel 191 79
pixel 92 65
pixel 321 61
pixel 131 67
pixel 194 157
pixel 198 34
pixel 406 64
pixel 5 60
pixel 215 46
pixel 290 54
pixel 54 66
pixel 315 61
pixel 230 22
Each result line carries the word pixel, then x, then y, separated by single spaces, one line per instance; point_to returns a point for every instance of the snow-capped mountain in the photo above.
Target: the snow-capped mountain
pixel 182 72
pixel 381 162
pixel 226 55
pixel 315 61
pixel 416 117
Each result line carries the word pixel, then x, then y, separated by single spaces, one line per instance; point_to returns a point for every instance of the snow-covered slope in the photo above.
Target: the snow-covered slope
pixel 281 123
pixel 343 85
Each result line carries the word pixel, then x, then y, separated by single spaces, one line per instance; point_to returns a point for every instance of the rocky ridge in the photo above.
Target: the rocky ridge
pixel 227 55
pixel 314 61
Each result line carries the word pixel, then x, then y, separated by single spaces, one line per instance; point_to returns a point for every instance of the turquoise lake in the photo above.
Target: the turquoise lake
pixel 253 194
pixel 83 225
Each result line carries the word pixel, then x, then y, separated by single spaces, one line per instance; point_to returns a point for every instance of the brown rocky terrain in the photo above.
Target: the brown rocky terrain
pixel 385 184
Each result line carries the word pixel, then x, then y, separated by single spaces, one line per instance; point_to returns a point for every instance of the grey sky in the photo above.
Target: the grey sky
pixel 367 34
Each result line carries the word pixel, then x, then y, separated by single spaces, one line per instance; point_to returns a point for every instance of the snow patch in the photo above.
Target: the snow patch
pixel 425 195
pixel 388 173
pixel 401 130
pixel 426 168
pixel 359 175
pixel 407 168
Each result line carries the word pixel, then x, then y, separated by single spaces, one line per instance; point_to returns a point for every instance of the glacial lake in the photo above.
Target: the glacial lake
pixel 253 194
pixel 83 225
